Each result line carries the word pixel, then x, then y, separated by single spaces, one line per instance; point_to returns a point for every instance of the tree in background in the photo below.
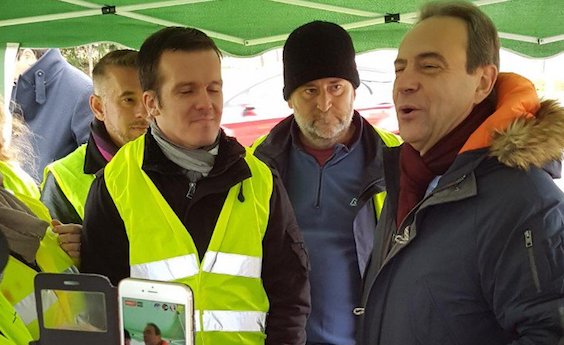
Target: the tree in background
pixel 84 57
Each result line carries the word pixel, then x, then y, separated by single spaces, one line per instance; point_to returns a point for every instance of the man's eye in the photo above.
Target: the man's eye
pixel 399 69
pixel 336 87
pixel 128 100
pixel 309 91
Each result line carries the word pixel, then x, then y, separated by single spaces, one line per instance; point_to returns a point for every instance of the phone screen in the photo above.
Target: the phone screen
pixel 74 310
pixel 170 318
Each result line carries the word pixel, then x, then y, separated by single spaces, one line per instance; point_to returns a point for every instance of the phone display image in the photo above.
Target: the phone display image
pixel 155 313
pixel 154 323
pixel 76 311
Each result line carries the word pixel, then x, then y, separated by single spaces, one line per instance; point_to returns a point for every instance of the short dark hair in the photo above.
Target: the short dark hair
pixel 119 58
pixel 483 40
pixel 174 39
pixel 157 329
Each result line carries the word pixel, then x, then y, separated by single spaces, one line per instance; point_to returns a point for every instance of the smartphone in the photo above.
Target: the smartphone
pixel 151 309
pixel 76 309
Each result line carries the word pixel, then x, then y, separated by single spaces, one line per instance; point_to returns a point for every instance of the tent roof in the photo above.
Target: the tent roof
pixel 249 27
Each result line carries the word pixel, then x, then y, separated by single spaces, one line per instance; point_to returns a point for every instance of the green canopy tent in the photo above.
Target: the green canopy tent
pixel 249 27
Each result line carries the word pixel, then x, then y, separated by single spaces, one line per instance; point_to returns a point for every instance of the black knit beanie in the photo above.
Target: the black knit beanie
pixel 318 50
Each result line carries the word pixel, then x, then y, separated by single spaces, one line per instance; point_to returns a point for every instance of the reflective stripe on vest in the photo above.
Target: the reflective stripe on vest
pixel 227 286
pixel 27 310
pixel 231 321
pixel 167 269
pixel 17 287
pixel 17 180
pixel 11 325
pixel 186 266
pixel 232 264
pixel 69 174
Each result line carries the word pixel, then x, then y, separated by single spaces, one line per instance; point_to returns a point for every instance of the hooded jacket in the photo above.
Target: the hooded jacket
pixel 480 260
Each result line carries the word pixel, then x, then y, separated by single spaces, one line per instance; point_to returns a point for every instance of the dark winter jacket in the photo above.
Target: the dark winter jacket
pixel 53 97
pixel 105 247
pixel 332 320
pixel 480 260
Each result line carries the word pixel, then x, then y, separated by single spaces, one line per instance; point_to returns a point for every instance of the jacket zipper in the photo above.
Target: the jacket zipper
pixel 191 190
pixel 532 263
pixel 404 236
pixel 318 196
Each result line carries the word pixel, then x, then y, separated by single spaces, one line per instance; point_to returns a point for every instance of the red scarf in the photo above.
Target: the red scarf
pixel 416 171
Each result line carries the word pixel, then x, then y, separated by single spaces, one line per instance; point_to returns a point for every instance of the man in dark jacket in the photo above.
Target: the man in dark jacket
pixel 187 203
pixel 330 159
pixel 52 97
pixel 470 246
pixel 120 116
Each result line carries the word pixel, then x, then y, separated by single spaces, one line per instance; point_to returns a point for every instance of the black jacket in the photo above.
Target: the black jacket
pixel 105 247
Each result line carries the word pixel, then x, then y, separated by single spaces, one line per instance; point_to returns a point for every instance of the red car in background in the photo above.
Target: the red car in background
pixel 252 112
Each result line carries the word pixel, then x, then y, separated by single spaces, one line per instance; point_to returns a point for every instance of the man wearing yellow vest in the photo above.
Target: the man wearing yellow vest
pixel 330 159
pixel 119 118
pixel 187 203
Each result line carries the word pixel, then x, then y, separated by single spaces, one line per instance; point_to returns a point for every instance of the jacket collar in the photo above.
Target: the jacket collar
pixel 522 132
pixel 94 160
pixel 229 157
pixel 275 149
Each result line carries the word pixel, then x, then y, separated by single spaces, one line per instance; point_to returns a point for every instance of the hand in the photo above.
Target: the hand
pixel 69 237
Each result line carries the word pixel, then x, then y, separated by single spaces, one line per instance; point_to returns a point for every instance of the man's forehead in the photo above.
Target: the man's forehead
pixel 434 35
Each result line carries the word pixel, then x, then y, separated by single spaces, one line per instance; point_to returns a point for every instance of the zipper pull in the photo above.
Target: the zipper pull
pixel 191 190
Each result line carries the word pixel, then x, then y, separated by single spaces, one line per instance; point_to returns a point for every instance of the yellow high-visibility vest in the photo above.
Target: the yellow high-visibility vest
pixel 17 180
pixel 11 326
pixel 18 278
pixel 230 301
pixel 69 174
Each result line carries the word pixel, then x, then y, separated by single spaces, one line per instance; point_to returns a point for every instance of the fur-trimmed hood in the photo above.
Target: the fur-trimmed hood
pixel 523 131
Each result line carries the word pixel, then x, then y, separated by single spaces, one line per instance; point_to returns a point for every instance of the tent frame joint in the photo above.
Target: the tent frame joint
pixel 109 9
pixel 391 18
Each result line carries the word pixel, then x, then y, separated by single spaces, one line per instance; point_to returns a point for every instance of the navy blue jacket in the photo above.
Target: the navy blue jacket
pixel 333 321
pixel 480 260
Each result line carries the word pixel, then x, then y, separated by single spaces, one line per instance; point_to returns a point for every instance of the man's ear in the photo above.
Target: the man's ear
pixel 151 103
pixel 488 77
pixel 290 102
pixel 97 107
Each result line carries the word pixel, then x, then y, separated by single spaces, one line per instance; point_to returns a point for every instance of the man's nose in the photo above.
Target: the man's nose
pixel 204 100
pixel 140 110
pixel 324 101
pixel 406 81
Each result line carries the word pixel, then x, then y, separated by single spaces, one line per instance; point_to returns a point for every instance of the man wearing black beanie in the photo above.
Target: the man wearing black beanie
pixel 330 159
